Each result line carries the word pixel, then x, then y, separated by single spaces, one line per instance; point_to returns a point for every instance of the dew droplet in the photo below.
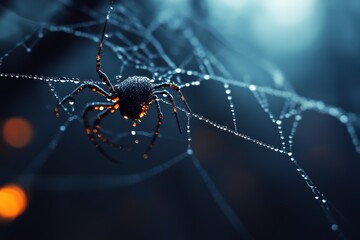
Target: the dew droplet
pixel 344 119
pixel 334 227
pixel 252 87
pixel 298 118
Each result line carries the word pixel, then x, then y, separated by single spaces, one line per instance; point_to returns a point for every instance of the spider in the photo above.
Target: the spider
pixel 133 97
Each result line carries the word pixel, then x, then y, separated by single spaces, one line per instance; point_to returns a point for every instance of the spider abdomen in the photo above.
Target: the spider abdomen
pixel 135 95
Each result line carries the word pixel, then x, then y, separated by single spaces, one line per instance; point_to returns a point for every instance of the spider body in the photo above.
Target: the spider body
pixel 133 97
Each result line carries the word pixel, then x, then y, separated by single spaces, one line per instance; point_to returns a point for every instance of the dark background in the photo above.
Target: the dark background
pixel 318 53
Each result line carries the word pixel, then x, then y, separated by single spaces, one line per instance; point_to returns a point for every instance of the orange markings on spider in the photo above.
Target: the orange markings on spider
pixel 17 132
pixel 115 99
pixel 13 201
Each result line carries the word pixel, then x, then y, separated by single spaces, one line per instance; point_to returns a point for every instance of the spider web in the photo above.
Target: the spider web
pixel 249 118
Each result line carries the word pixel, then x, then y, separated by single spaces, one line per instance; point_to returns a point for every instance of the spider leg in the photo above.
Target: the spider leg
pixel 96 107
pixel 156 133
pixel 171 99
pixel 96 129
pixel 71 96
pixel 176 88
pixel 102 75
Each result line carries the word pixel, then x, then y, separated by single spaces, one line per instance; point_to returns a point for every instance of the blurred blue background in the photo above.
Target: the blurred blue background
pixel 312 46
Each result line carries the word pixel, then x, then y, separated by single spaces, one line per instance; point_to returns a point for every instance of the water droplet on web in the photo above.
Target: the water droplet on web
pixel 206 77
pixel 63 79
pixel 344 119
pixel 178 70
pixel 62 128
pixel 133 132
pixel 189 151
pixel 252 87
pixel 278 122
pixel 334 227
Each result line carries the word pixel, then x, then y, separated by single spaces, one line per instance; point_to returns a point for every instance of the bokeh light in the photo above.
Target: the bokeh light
pixel 289 12
pixel 17 132
pixel 13 201
pixel 279 27
pixel 289 26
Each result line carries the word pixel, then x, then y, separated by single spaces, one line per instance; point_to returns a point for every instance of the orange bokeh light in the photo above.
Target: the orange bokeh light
pixel 13 201
pixel 17 132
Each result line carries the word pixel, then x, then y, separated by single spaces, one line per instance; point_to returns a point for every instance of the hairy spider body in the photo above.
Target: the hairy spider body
pixel 136 95
pixel 133 97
